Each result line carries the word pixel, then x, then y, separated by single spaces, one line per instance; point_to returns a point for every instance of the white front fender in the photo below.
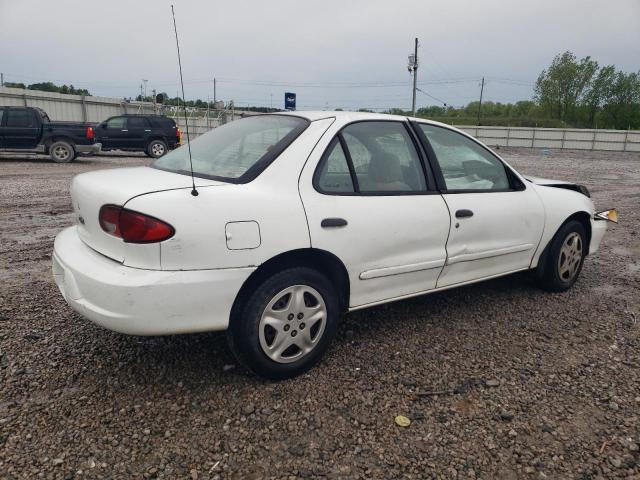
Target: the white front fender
pixel 560 204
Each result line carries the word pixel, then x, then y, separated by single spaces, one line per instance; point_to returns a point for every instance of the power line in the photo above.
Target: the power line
pixel 508 81
pixel 431 96
pixel 270 83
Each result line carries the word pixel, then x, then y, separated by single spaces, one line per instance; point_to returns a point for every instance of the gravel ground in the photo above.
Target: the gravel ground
pixel 499 379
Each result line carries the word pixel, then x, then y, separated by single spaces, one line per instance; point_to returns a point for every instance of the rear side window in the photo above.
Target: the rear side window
pixel 20 118
pixel 382 157
pixel 137 122
pixel 334 175
pixel 237 151
pixel 161 122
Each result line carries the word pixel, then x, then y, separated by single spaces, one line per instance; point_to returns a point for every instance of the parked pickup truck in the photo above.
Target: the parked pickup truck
pixel 28 129
pixel 154 135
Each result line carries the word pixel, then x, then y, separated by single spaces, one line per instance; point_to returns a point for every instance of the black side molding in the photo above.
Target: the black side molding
pixel 333 222
pixel 464 213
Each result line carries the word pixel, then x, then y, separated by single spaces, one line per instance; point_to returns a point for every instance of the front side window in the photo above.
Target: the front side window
pixel 116 122
pixel 236 151
pixel 1 115
pixel 465 165
pixel 20 118
pixel 383 158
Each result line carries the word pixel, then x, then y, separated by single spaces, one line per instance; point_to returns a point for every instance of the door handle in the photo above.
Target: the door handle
pixel 125 130
pixel 464 213
pixel 333 222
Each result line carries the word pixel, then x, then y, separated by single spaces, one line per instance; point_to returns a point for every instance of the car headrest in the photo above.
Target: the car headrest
pixel 385 168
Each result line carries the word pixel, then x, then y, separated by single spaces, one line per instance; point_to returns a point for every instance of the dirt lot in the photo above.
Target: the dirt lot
pixel 500 379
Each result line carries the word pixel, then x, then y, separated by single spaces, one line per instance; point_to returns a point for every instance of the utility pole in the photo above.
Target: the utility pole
pixel 480 104
pixel 141 96
pixel 214 90
pixel 413 68
pixel 145 88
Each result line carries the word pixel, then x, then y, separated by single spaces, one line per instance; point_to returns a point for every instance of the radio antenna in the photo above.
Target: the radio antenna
pixel 194 192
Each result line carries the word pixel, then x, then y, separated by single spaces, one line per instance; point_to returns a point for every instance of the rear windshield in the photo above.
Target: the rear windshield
pixel 237 151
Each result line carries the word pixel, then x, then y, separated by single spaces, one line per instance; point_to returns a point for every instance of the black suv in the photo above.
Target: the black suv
pixel 154 135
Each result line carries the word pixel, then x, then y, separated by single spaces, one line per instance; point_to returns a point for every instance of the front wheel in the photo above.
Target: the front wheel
pixel 62 152
pixel 565 257
pixel 286 324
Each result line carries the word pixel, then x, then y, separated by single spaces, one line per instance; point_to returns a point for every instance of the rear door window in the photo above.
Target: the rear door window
pixel 334 175
pixel 20 118
pixel 382 158
pixel 137 122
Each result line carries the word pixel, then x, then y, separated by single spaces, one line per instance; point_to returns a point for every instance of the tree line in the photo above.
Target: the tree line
pixel 50 87
pixel 582 93
pixel 569 93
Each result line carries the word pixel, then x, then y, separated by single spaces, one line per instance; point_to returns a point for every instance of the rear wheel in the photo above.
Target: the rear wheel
pixel 62 152
pixel 286 324
pixel 564 259
pixel 156 148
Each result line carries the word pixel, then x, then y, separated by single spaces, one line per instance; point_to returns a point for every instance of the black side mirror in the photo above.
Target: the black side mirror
pixel 103 125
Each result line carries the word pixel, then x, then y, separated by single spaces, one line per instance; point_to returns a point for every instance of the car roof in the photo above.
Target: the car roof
pixel 347 116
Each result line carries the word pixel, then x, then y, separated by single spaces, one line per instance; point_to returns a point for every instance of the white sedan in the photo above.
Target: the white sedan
pixel 300 217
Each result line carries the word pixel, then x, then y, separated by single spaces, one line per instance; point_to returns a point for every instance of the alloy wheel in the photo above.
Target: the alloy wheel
pixel 157 149
pixel 292 323
pixel 61 153
pixel 570 257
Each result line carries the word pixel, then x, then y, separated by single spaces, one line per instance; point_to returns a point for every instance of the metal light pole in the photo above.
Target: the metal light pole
pixel 413 68
pixel 145 88
pixel 480 104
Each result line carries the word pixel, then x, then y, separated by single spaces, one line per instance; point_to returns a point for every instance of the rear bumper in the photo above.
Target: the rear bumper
pixel 598 229
pixel 93 148
pixel 142 302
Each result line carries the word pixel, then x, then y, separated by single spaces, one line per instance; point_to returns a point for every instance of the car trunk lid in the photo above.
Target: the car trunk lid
pixel 90 191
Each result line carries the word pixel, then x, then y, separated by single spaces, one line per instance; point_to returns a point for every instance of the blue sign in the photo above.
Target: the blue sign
pixel 289 101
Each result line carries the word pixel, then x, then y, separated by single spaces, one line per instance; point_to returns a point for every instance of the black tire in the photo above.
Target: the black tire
pixel 156 148
pixel 244 330
pixel 62 152
pixel 550 275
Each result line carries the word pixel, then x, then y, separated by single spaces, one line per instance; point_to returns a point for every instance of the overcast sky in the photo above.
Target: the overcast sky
pixel 330 52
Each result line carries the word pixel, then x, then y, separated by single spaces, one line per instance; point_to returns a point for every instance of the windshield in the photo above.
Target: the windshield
pixel 237 151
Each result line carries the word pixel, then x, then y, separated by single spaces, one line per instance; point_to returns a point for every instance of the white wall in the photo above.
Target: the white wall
pixel 78 108
pixel 559 138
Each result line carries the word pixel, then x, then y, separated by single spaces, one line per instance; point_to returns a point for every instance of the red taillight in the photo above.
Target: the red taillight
pixel 179 136
pixel 110 219
pixel 133 227
pixel 90 133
